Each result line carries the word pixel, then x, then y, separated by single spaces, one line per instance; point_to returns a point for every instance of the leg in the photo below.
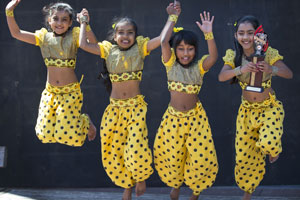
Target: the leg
pixel 273 159
pixel 174 195
pixel 140 188
pixel 92 130
pixel 127 194
pixel 247 196
pixel 194 197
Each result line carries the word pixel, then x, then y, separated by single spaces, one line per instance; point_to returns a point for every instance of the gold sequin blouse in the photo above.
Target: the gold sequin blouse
pixel 272 56
pixel 59 51
pixel 124 65
pixel 180 79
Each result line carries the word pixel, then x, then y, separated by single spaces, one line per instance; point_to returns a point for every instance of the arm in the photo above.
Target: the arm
pixel 228 73
pixel 172 9
pixel 14 28
pixel 279 68
pixel 89 33
pixel 83 42
pixel 167 31
pixel 206 28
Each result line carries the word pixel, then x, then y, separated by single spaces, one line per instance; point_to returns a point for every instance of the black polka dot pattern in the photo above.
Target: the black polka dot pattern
pixel 60 119
pixel 258 133
pixel 126 156
pixel 184 150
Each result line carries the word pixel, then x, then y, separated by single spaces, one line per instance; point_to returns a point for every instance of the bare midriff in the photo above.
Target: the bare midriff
pixel 60 76
pixel 182 101
pixel 257 97
pixel 125 89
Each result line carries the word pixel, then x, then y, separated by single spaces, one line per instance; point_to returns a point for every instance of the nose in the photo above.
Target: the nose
pixel 185 52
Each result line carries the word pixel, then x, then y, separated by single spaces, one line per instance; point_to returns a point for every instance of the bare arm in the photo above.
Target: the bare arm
pixel 89 34
pixel 172 9
pixel 14 28
pixel 282 70
pixel 206 28
pixel 167 31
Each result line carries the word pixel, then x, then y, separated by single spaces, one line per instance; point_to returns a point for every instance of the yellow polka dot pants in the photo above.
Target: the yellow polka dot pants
pixel 259 128
pixel 126 156
pixel 184 150
pixel 60 119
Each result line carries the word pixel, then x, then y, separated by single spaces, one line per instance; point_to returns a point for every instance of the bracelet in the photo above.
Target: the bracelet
pixel 9 13
pixel 88 28
pixel 83 19
pixel 237 71
pixel 173 18
pixel 274 70
pixel 209 36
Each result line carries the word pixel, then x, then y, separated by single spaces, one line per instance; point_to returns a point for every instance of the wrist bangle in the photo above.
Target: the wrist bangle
pixel 88 28
pixel 237 71
pixel 83 19
pixel 209 36
pixel 173 18
pixel 9 13
pixel 274 70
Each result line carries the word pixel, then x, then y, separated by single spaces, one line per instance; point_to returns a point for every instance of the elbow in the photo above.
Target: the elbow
pixel 164 41
pixel 290 75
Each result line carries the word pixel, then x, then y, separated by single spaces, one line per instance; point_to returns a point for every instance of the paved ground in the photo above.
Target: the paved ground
pixel 215 193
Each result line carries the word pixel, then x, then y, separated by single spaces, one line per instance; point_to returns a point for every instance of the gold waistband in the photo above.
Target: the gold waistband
pixel 126 76
pixel 188 113
pixel 127 102
pixel 70 63
pixel 266 84
pixel 181 87
pixel 72 87
pixel 256 105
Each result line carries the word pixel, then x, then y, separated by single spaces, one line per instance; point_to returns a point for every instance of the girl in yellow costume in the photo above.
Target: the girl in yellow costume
pixel 59 119
pixel 126 156
pixel 259 124
pixel 184 149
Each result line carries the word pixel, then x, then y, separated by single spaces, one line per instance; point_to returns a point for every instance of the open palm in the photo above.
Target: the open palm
pixel 12 4
pixel 206 21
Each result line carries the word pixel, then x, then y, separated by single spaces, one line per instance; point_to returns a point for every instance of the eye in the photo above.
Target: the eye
pixel 55 18
pixel 191 49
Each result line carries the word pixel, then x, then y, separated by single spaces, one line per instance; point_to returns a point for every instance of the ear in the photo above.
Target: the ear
pixel 115 37
pixel 49 19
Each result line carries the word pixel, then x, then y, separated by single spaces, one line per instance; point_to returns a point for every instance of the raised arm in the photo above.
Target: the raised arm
pixel 89 33
pixel 13 26
pixel 84 39
pixel 206 28
pixel 174 11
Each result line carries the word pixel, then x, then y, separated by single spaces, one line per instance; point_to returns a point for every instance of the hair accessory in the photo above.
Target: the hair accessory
pixel 113 26
pixel 209 36
pixel 177 29
pixel 173 18
pixel 9 13
pixel 235 23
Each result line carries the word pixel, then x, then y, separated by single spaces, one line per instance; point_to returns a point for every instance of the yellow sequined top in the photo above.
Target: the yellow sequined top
pixel 127 64
pixel 57 50
pixel 272 55
pixel 180 79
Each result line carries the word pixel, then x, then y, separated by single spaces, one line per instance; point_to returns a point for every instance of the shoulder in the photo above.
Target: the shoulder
pixel 229 58
pixel 272 55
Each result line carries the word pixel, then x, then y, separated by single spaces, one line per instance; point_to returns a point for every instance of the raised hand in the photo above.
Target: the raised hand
pixel 207 22
pixel 12 4
pixel 174 8
pixel 84 13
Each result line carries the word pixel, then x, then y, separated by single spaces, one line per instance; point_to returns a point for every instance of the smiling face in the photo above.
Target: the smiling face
pixel 60 22
pixel 124 35
pixel 245 36
pixel 185 53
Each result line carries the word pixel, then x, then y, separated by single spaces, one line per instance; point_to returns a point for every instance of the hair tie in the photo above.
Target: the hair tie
pixel 235 23
pixel 177 29
pixel 113 26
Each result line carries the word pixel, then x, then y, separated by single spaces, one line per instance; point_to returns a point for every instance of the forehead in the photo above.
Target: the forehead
pixel 246 26
pixel 60 13
pixel 182 43
pixel 124 26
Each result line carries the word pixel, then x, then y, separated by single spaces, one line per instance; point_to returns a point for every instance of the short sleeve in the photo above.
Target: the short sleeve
pixel 229 58
pixel 75 33
pixel 105 47
pixel 272 56
pixel 170 62
pixel 142 44
pixel 39 36
pixel 200 64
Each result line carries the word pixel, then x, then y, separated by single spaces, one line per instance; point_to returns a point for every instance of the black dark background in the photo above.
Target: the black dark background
pixel 23 75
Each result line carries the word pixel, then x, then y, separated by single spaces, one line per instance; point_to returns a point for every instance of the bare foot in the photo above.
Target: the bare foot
pixel 174 194
pixel 273 159
pixel 92 130
pixel 194 197
pixel 127 194
pixel 247 196
pixel 140 188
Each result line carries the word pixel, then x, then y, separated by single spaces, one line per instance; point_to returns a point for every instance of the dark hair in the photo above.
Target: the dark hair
pixel 188 37
pixel 237 47
pixel 111 33
pixel 59 6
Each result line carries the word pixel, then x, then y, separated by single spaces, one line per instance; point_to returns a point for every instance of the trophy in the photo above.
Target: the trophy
pixel 261 45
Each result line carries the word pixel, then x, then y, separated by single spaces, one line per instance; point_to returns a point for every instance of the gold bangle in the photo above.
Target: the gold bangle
pixel 9 13
pixel 173 18
pixel 88 28
pixel 209 36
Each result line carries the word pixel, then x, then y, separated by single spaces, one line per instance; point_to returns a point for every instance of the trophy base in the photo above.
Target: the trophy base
pixel 254 89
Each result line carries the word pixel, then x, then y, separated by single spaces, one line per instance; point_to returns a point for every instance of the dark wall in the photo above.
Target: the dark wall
pixel 23 76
